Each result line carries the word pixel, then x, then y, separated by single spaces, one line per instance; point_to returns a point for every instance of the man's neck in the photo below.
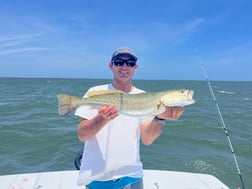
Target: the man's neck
pixel 123 86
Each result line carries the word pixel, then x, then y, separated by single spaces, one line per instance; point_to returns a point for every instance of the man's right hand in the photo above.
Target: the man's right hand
pixel 108 112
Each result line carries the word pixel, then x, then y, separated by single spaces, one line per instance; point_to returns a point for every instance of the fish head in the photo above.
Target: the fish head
pixel 181 97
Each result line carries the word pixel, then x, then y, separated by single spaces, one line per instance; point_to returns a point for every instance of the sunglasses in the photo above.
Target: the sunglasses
pixel 120 62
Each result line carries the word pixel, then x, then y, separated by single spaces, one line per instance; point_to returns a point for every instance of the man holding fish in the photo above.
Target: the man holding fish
pixel 111 152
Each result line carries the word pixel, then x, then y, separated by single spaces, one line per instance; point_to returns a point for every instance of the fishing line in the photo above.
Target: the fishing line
pixel 219 112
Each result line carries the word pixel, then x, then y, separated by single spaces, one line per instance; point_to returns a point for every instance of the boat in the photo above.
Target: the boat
pixel 153 179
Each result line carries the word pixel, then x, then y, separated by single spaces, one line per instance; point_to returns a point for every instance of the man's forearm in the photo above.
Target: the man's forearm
pixel 89 128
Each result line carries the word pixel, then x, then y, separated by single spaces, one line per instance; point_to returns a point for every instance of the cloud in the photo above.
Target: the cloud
pixel 194 24
pixel 163 32
pixel 16 40
pixel 236 55
pixel 20 50
pixel 13 44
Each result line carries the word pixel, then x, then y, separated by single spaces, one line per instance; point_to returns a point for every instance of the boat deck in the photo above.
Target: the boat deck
pixel 153 179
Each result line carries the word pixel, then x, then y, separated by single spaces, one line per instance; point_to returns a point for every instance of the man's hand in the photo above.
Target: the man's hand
pixel 172 113
pixel 108 112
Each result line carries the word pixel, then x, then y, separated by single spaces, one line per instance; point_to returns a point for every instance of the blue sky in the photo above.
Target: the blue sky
pixel 75 39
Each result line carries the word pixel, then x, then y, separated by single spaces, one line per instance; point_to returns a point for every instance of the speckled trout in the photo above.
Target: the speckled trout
pixel 142 104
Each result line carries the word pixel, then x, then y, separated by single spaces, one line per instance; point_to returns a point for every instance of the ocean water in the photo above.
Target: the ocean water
pixel 35 138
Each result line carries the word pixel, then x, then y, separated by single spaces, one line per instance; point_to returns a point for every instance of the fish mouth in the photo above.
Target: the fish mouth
pixel 190 94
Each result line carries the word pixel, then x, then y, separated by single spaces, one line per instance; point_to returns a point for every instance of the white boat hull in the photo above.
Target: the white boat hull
pixel 153 179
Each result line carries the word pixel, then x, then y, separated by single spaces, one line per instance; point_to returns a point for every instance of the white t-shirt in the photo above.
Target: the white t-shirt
pixel 114 151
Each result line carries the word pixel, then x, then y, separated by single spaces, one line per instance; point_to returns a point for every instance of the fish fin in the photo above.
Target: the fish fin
pixel 101 92
pixel 66 104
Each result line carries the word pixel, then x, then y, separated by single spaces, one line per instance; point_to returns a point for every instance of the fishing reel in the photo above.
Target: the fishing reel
pixel 77 160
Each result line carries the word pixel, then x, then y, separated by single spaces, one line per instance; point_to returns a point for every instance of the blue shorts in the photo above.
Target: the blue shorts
pixel 121 183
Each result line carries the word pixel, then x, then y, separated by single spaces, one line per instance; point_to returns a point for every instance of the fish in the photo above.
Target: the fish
pixel 141 104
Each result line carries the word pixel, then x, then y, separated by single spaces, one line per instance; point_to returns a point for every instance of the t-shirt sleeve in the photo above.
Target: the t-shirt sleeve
pixel 86 111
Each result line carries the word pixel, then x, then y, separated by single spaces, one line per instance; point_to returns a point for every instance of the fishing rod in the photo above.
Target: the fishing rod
pixel 219 112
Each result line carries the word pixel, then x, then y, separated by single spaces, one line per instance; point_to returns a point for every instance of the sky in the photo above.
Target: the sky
pixel 173 39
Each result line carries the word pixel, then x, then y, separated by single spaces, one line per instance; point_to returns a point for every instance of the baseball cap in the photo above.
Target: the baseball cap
pixel 124 50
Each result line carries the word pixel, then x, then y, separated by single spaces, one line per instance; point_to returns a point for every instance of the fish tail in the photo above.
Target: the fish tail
pixel 66 104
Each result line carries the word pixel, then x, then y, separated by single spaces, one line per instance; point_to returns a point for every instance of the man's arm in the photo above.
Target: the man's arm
pixel 88 128
pixel 152 130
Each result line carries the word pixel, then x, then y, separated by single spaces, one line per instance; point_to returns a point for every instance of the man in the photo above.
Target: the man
pixel 111 154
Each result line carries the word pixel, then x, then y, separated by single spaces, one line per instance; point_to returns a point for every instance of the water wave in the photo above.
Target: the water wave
pixel 226 92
